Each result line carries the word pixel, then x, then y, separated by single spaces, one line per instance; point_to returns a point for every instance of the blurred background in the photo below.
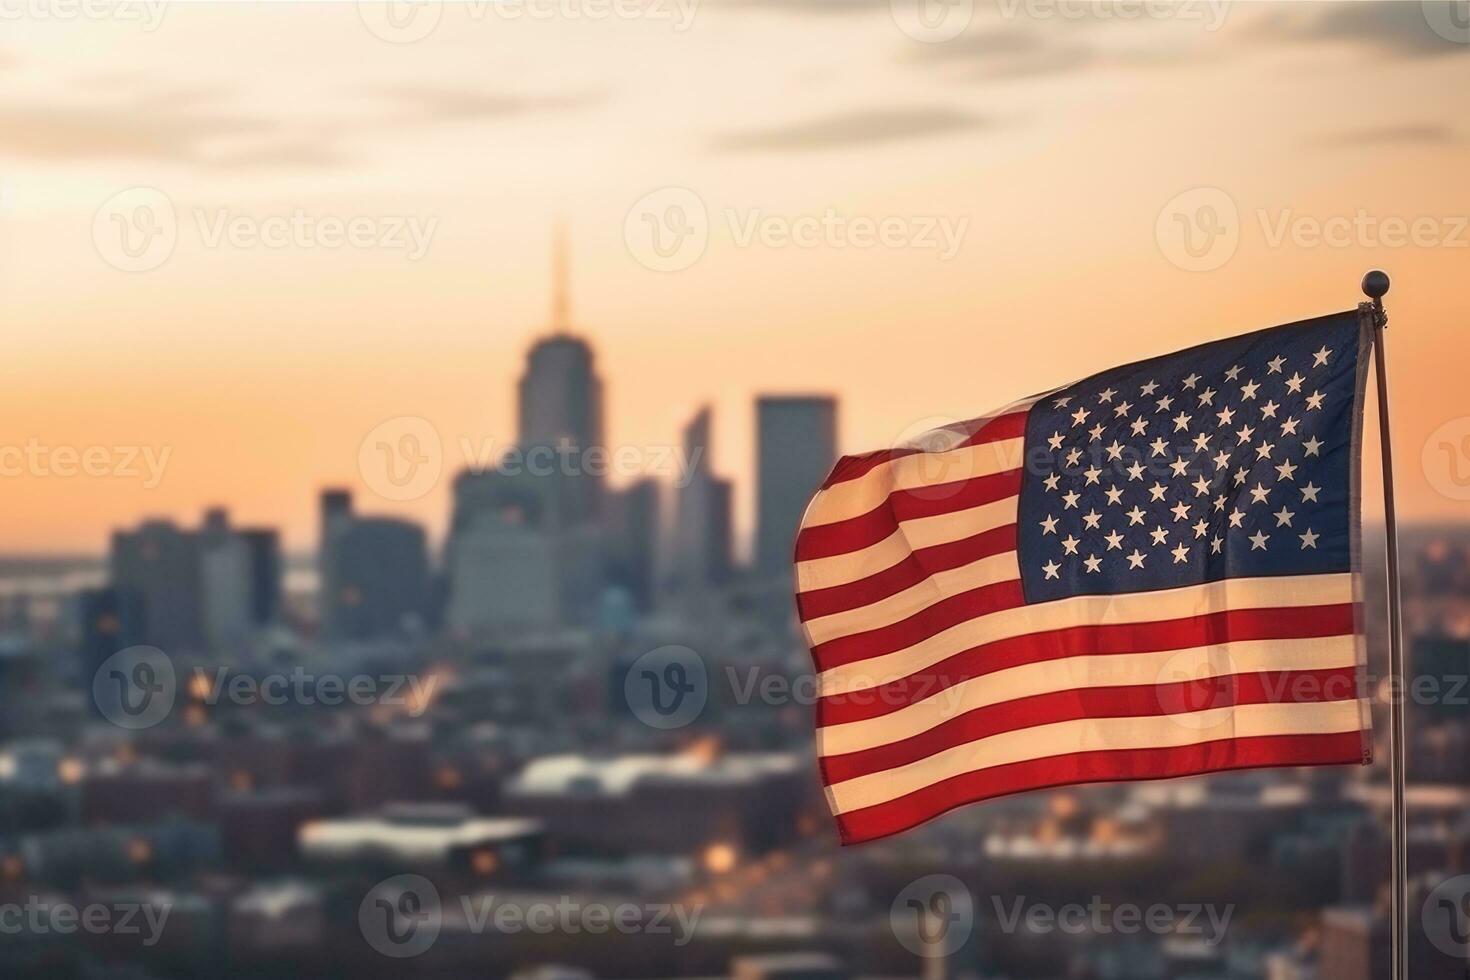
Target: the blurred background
pixel 407 410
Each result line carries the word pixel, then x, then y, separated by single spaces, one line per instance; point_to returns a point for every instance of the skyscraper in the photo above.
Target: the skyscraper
pixel 160 564
pixel 796 445
pixel 701 554
pixel 560 405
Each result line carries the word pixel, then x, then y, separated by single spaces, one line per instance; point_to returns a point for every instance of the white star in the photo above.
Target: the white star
pixel 1049 526
pixel 1236 517
pixel 1159 447
pixel 1093 563
pixel 1258 541
pixel 1181 554
pixel 1263 451
pixel 1216 543
pixel 1309 539
pixel 1181 422
pixel 1135 560
pixel 1233 373
pixel 1096 432
pixel 1055 440
pixel 1246 433
pixel 1092 519
pixel 1150 388
pixel 1140 426
pixel 1115 496
pixel 1052 481
pixel 1286 471
pixel 1191 381
pixel 1080 416
pixel 1158 534
pixel 1106 395
pixel 1156 492
pixel 1180 511
pixel 1052 569
pixel 1114 540
pixel 1201 486
pixel 1201 528
pixel 1283 517
pixel 1073 455
pixel 1070 544
pixel 1201 442
pixel 1135 472
pixel 1062 402
pixel 1122 409
pixel 1219 502
pixel 1179 466
pixel 1260 493
pixel 1314 400
pixel 1273 366
pixel 1092 473
pixel 1225 415
pixel 1135 516
pixel 1268 410
pixel 1163 404
pixel 1294 384
pixel 1309 493
pixel 1248 390
pixel 1312 445
pixel 1288 428
pixel 1240 475
pixel 1222 460
pixel 1319 359
pixel 1070 499
pixel 1115 451
pixel 1207 397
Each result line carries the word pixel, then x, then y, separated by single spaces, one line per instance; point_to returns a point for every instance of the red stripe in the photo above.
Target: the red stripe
pixel 923 624
pixel 915 568
pixel 1135 701
pixel 1296 622
pixel 856 533
pixel 909 811
pixel 1012 425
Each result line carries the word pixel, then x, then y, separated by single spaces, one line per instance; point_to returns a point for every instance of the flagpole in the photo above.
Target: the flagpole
pixel 1375 287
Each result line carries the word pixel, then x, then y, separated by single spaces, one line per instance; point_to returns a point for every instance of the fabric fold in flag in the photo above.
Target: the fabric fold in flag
pixel 1152 572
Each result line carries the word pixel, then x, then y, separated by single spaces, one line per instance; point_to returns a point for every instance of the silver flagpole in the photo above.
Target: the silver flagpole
pixel 1375 287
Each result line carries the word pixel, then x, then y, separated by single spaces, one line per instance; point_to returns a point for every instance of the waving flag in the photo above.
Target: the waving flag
pixel 1152 572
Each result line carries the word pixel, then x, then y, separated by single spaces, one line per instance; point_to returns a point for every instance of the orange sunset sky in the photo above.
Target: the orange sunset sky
pixel 1074 146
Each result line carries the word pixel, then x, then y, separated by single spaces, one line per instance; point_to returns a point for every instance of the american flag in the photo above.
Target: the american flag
pixel 1152 572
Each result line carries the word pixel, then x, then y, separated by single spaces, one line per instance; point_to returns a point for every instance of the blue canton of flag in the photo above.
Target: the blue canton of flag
pixel 1230 459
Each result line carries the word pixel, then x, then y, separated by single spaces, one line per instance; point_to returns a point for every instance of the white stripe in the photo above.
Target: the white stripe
pixel 853 498
pixel 1097 671
pixel 910 536
pixel 918 597
pixel 1134 607
pixel 1099 734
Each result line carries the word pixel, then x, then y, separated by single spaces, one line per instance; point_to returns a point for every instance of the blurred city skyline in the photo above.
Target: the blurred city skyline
pixel 263 368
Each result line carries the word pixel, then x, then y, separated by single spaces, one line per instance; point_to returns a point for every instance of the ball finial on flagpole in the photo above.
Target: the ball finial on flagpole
pixel 1375 285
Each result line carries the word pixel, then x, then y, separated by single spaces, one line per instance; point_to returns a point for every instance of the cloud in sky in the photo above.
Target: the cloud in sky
pixel 1397 28
pixel 456 105
pixel 1411 133
pixel 861 128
